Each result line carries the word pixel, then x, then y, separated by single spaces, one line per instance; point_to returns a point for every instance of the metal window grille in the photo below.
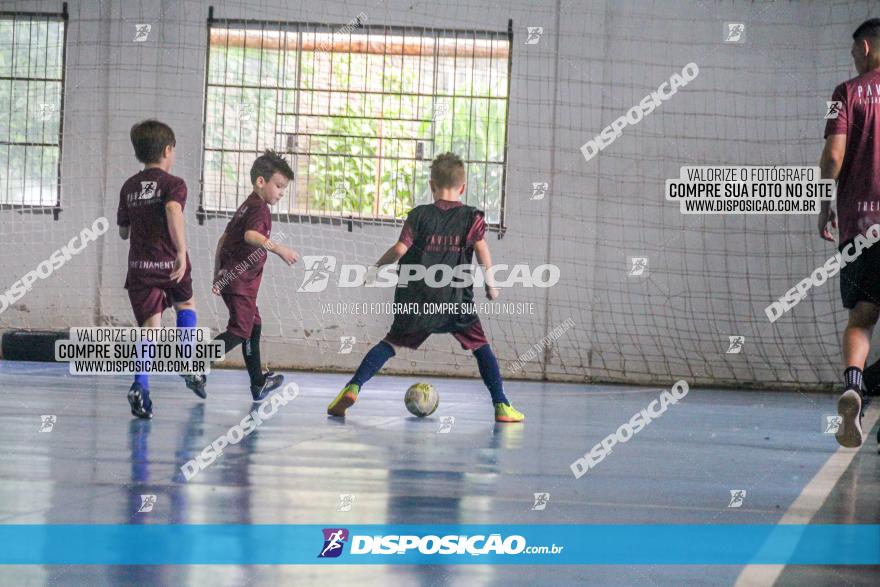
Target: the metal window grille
pixel 32 59
pixel 358 110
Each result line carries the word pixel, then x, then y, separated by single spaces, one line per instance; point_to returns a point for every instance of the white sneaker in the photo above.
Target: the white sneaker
pixel 849 408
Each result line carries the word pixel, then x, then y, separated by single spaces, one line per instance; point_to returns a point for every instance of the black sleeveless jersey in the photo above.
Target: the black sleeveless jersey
pixel 439 238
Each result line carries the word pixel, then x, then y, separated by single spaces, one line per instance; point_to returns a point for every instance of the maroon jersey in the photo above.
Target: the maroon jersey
pixel 858 185
pixel 241 265
pixel 151 253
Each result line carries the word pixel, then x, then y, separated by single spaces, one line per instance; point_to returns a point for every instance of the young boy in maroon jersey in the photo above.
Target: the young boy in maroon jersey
pixel 852 156
pixel 446 232
pixel 150 214
pixel 238 266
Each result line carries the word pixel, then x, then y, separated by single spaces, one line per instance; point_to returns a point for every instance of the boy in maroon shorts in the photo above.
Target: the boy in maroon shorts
pixel 446 232
pixel 238 266
pixel 150 213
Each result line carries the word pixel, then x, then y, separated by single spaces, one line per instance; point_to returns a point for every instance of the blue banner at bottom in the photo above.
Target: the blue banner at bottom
pixel 710 544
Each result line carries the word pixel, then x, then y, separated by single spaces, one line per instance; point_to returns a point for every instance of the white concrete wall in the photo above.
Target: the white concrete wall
pixel 709 277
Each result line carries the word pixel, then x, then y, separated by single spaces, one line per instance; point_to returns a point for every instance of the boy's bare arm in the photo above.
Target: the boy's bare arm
pixel 255 239
pixel 484 258
pixel 393 254
pixel 174 217
pixel 123 232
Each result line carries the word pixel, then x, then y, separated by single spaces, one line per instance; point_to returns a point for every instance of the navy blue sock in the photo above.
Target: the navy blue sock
pixel 372 362
pixel 490 373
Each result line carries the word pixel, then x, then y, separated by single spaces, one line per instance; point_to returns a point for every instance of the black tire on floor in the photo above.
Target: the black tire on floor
pixel 30 345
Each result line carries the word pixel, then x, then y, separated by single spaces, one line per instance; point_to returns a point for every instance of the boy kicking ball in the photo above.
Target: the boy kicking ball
pixel 446 232
pixel 150 214
pixel 238 266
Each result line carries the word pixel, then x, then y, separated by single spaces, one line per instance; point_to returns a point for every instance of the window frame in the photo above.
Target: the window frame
pixel 348 219
pixel 64 18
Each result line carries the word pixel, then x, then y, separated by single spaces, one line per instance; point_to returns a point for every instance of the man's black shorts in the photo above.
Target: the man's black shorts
pixel 860 279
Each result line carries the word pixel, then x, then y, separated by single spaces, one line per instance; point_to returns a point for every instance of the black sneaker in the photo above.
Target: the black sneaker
pixel 271 382
pixel 140 402
pixel 849 408
pixel 197 384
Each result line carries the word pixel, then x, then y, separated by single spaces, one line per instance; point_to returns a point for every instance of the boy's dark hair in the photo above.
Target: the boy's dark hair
pixel 868 30
pixel 268 164
pixel 447 171
pixel 149 139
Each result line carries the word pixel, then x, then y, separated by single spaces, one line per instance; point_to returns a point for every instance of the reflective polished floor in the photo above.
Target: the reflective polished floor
pixel 96 462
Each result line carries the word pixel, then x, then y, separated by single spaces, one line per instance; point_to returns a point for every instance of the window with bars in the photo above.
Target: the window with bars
pixel 359 111
pixel 32 52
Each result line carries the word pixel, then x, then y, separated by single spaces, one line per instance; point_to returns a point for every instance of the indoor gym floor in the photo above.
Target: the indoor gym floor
pixel 97 461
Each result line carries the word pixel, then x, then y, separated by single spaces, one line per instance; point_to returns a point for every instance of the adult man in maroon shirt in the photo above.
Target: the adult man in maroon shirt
pixel 852 157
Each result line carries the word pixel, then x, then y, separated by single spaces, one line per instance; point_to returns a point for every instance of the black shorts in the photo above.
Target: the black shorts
pixel 860 279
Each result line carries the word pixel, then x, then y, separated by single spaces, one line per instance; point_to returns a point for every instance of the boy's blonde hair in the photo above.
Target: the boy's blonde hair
pixel 447 171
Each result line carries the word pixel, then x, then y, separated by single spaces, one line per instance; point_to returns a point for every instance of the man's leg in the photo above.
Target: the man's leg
pixel 856 344
pixel 857 335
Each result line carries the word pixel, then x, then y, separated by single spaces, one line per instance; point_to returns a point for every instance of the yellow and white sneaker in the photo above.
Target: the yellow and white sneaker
pixel 507 413
pixel 344 400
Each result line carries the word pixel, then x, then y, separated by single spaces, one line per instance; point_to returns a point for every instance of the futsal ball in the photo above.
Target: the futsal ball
pixel 421 399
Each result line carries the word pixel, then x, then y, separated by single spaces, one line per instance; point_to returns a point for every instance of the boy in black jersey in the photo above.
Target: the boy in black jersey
pixel 446 232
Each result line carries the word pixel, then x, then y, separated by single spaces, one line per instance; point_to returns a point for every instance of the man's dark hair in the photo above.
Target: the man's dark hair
pixel 268 164
pixel 149 139
pixel 868 30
